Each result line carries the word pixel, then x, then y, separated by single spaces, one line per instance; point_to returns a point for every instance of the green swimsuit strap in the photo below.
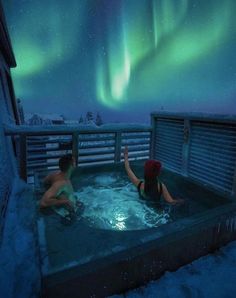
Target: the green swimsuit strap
pixel 139 187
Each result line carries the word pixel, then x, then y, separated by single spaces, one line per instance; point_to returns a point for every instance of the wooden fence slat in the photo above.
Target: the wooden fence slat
pixel 40 147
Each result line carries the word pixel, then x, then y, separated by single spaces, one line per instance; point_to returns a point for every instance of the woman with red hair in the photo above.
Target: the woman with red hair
pixel 151 188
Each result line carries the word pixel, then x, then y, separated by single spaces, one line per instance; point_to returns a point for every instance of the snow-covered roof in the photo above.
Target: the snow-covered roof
pixel 71 122
pixel 54 117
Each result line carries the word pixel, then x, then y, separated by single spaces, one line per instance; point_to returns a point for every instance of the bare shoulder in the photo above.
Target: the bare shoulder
pixel 52 174
pixel 60 184
pixel 50 177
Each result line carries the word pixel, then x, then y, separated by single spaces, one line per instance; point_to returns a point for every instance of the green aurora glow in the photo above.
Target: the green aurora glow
pixel 120 54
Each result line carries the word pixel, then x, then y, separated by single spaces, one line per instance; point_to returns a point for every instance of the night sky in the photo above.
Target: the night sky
pixel 124 58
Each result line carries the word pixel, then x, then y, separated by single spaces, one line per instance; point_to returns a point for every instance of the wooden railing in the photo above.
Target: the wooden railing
pixel 199 147
pixel 40 147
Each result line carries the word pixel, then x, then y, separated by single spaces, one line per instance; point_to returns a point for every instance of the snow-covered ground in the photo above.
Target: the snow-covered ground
pixel 212 276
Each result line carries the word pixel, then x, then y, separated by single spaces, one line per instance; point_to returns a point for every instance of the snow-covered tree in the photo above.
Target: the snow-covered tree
pixel 89 117
pixel 98 121
pixel 35 120
pixel 81 120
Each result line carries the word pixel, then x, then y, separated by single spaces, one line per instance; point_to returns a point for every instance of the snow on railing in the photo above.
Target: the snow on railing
pixel 40 147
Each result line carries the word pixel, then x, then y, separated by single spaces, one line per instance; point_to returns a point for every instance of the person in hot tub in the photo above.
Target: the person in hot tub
pixel 60 191
pixel 151 188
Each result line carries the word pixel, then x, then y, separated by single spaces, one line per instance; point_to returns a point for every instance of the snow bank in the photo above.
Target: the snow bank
pixel 19 258
pixel 210 276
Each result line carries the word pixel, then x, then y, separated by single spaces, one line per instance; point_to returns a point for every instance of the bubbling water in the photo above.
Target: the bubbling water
pixel 113 203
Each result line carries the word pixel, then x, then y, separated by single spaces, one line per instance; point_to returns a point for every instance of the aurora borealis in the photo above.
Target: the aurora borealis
pixel 124 58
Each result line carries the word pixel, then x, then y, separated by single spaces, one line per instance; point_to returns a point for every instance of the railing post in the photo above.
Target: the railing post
pixel 23 158
pixel 75 146
pixel 117 146
pixel 153 138
pixel 186 146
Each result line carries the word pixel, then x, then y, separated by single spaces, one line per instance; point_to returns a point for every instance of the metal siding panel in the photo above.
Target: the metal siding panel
pixel 169 143
pixel 211 150
pixel 213 154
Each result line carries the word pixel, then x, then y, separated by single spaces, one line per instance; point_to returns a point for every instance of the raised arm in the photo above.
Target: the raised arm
pixel 129 172
pixel 50 197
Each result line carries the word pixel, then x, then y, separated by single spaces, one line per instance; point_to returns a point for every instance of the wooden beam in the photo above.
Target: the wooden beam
pixel 23 158
pixel 75 146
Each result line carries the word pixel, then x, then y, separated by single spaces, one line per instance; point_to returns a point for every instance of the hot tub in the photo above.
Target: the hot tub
pixel 121 241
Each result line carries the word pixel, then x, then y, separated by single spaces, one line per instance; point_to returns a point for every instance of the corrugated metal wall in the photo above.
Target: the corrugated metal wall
pixel 169 134
pixel 203 150
pixel 212 154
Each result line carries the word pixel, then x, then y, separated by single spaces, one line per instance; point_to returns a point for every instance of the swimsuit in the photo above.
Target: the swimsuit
pixel 144 196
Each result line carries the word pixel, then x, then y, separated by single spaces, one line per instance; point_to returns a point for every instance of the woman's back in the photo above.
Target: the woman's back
pixel 149 191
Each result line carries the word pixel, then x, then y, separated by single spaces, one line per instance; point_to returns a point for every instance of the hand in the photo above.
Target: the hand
pixel 179 201
pixel 126 152
pixel 69 204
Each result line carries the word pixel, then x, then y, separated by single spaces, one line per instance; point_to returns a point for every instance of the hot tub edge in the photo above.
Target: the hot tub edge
pixel 136 266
